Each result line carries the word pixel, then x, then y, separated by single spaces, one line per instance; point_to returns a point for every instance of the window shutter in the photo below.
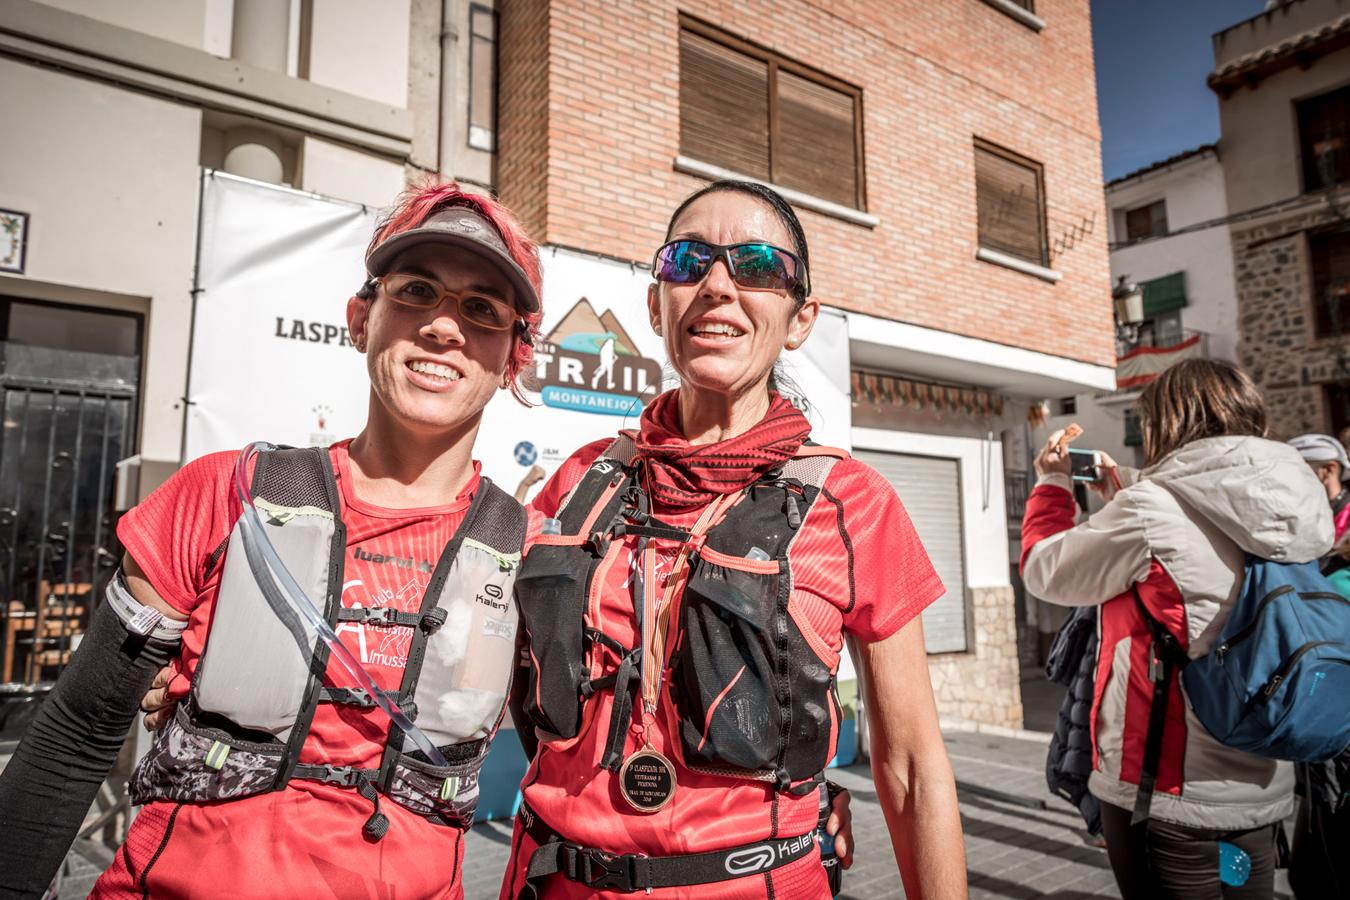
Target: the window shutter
pixel 724 107
pixel 1164 294
pixel 816 151
pixel 1008 197
pixel 930 489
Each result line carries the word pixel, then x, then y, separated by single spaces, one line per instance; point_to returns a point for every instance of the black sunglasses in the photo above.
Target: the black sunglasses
pixel 757 266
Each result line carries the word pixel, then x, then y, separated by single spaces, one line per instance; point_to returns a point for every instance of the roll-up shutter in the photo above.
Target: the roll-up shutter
pixel 930 489
pixel 816 136
pixel 1009 204
pixel 724 106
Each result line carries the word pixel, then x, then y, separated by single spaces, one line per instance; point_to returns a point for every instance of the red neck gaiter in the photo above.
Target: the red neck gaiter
pixel 684 475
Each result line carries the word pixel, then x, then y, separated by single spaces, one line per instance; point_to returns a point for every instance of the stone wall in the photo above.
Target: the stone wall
pixel 1277 342
pixel 983 686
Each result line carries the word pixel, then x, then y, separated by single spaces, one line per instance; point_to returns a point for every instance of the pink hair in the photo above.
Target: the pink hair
pixel 415 205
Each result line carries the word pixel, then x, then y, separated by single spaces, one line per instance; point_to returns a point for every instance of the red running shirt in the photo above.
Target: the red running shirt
pixel 892 582
pixel 305 840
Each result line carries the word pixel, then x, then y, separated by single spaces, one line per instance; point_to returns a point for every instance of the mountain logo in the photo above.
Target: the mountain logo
pixel 588 363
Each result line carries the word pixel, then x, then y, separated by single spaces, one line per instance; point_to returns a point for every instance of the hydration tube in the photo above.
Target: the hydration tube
pixel 286 598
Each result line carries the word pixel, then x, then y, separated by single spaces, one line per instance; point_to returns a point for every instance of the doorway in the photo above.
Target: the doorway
pixel 68 393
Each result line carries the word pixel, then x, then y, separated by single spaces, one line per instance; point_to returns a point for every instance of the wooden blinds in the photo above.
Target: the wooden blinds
pixel 748 110
pixel 724 106
pixel 815 149
pixel 1011 210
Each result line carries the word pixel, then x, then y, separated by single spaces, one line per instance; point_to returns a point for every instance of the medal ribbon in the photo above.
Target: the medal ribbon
pixel 657 611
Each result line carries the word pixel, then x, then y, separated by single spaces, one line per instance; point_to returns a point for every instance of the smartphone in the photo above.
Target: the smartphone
pixel 1085 464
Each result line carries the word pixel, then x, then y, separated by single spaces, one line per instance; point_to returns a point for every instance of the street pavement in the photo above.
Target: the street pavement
pixel 1012 851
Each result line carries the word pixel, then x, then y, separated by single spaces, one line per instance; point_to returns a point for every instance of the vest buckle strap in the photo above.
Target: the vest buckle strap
pixel 346 776
pixel 604 871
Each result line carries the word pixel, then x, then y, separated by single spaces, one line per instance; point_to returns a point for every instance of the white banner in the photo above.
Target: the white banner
pixel 271 358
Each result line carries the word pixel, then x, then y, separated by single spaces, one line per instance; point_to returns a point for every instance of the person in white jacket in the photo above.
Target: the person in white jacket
pixel 1214 490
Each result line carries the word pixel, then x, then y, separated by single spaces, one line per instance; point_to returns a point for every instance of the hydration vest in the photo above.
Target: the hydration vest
pixel 259 679
pixel 752 687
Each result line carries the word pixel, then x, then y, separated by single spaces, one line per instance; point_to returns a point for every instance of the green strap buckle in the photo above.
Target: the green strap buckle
pixel 450 789
pixel 216 756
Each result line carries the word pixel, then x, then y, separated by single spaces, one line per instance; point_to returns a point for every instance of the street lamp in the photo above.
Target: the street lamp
pixel 1129 304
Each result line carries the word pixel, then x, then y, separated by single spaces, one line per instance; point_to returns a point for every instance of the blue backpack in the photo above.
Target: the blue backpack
pixel 1275 684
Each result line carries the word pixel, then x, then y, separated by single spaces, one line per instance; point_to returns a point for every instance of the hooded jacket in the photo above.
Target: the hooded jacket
pixel 1181 530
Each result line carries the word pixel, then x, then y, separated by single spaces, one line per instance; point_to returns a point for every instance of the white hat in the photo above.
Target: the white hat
pixel 1316 448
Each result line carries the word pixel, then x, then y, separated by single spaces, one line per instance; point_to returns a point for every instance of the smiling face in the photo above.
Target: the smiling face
pixel 720 337
pixel 431 370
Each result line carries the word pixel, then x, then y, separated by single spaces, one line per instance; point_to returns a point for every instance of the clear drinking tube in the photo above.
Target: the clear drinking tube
pixel 286 598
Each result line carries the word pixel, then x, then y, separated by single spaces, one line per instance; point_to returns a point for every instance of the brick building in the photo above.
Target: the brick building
pixel 945 159
pixel 1283 81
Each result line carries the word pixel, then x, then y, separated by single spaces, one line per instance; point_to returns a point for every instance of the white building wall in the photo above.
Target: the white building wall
pixel 1193 191
pixel 362 48
pixel 114 212
pixel 180 21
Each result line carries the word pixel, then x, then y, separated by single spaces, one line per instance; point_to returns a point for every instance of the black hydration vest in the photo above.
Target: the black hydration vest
pixel 753 688
pixel 240 730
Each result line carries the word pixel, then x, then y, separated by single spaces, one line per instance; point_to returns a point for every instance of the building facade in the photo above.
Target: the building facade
pixel 1167 233
pixel 945 160
pixel 1283 82
pixel 944 157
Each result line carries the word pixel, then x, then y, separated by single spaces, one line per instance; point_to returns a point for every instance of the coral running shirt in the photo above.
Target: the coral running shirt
pixel 891 582
pixel 305 840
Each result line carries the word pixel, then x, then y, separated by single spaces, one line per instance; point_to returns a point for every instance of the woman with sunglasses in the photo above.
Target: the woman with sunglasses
pixel 321 797
pixel 687 603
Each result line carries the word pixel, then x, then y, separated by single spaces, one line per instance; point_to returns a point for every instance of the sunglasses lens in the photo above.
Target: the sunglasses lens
pixel 683 262
pixel 410 290
pixel 486 312
pixel 763 266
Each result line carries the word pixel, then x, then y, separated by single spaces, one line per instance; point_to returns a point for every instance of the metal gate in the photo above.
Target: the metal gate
pixel 59 445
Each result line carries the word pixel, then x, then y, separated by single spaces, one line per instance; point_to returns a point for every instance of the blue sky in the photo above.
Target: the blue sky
pixel 1152 59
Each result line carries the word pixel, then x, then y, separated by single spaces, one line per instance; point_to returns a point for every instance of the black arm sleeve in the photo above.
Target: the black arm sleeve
pixel 49 785
pixel 516 703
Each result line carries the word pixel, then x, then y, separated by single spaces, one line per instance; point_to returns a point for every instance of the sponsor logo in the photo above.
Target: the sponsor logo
pixel 749 860
pixel 525 453
pixel 796 845
pixel 401 562
pixel 494 628
pixel 1317 679
pixel 493 600
pixel 312 332
pixel 588 363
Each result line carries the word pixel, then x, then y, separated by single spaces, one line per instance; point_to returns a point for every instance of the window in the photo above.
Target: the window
pixel 1324 139
pixel 1146 221
pixel 482 78
pixel 1010 199
pixel 751 111
pixel 1329 254
pixel 1066 406
pixel 1161 330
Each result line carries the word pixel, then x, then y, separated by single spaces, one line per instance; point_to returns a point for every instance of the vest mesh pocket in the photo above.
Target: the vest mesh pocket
pixel 551 594
pixel 750 692
pixel 194 764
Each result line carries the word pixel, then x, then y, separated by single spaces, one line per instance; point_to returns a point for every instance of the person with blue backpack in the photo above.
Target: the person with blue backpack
pixel 1222 650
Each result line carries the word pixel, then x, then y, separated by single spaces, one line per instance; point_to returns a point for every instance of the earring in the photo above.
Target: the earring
pixel 792 343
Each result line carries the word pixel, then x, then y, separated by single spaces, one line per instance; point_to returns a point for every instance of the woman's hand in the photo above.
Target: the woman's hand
pixel 156 704
pixel 1051 459
pixel 1108 484
pixel 840 824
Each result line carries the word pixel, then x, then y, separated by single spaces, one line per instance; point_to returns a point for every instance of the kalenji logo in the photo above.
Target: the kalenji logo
pixel 750 860
pixel 589 363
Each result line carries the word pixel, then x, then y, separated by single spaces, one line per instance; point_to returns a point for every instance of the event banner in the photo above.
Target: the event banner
pixel 272 360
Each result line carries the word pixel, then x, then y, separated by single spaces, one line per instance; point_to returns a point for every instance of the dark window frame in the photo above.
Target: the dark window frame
pixel 775 61
pixel 1152 232
pixel 1043 221
pixel 1320 282
pixel 477 41
pixel 1309 170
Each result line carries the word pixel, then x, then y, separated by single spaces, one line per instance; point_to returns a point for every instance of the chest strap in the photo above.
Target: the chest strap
pixel 628 873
